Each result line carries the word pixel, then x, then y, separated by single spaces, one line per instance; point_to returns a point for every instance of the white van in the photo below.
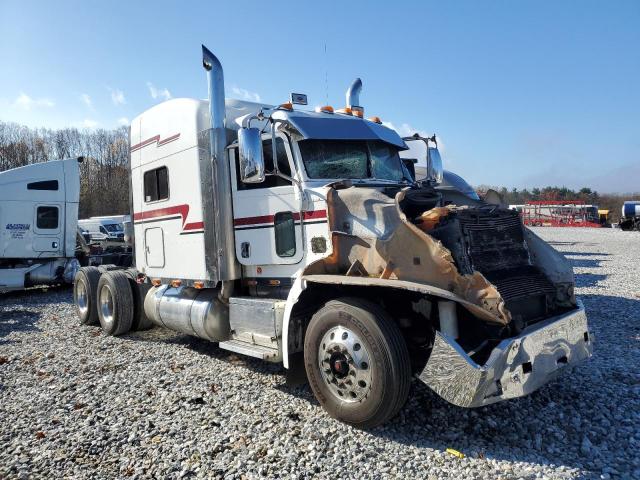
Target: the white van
pixel 101 229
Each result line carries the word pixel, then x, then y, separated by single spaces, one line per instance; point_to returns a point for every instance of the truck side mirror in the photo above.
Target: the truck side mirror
pixel 251 159
pixel 434 165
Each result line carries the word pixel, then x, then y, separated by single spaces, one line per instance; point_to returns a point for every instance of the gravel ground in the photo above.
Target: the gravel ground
pixel 76 403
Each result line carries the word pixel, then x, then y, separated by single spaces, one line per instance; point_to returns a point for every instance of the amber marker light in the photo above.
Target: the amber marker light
pixel 324 109
pixel 176 283
pixel 345 111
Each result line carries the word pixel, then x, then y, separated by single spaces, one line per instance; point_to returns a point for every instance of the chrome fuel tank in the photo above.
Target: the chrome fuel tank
pixel 189 310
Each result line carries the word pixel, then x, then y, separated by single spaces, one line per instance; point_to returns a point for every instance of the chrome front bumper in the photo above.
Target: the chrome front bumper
pixel 516 367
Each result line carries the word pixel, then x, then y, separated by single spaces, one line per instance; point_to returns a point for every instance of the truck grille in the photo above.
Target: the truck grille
pixel 491 241
pixel 494 238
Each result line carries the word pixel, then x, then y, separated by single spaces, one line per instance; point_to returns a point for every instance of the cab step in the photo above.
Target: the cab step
pixel 252 350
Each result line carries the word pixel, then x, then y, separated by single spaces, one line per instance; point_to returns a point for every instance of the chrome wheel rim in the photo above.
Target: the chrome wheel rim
pixel 82 298
pixel 345 365
pixel 106 304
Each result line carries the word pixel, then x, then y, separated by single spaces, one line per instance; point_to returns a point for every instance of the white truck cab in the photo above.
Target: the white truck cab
pixel 38 220
pixel 300 237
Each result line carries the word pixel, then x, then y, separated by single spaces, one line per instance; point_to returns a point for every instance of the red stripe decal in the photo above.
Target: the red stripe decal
pixel 182 210
pixel 253 220
pixel 194 226
pixel 316 214
pixel 156 140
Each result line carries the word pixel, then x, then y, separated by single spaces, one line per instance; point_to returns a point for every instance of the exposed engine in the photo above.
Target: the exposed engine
pixel 490 240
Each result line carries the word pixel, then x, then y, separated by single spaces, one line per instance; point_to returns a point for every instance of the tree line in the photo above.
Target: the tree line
pixel 104 173
pixel 605 201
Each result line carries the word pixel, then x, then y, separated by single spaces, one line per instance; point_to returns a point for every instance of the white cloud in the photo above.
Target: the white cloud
pixel 124 121
pixel 117 96
pixel 406 130
pixel 86 99
pixel 25 102
pixel 245 94
pixel 162 93
pixel 88 123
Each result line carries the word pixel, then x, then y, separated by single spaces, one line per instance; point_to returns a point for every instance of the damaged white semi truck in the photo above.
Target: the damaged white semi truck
pixel 299 237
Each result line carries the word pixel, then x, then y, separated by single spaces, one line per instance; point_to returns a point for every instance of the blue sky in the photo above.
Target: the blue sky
pixel 521 93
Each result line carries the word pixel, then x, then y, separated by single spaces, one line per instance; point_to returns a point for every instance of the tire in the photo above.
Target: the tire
pixel 140 320
pixel 367 344
pixel 85 288
pixel 115 302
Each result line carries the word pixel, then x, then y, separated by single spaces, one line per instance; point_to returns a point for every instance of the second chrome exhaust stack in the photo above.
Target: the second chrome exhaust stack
pixel 353 94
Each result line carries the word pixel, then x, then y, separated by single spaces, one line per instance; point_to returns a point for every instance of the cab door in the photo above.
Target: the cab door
pixel 48 232
pixel 267 215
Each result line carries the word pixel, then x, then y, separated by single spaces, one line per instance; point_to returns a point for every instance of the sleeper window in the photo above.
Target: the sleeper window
pixel 47 218
pixel 43 185
pixel 156 184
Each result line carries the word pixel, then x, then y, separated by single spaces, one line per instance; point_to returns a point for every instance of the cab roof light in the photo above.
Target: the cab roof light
pixel 286 106
pixel 357 111
pixel 324 109
pixel 198 284
pixel 176 283
pixel 375 120
pixel 156 282
pixel 345 111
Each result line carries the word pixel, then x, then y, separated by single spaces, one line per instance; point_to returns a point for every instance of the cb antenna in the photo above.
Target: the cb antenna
pixel 326 75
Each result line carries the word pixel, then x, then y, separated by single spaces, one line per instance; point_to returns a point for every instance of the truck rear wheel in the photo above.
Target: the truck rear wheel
pixel 115 302
pixel 140 320
pixel 85 288
pixel 357 362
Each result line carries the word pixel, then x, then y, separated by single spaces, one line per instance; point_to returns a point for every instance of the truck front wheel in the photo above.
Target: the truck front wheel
pixel 357 362
pixel 115 302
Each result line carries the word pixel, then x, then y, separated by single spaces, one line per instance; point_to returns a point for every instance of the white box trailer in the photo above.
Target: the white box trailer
pixel 298 237
pixel 38 224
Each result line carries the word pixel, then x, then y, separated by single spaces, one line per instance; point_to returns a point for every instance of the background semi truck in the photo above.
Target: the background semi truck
pixel 38 224
pixel 301 237
pixel 40 242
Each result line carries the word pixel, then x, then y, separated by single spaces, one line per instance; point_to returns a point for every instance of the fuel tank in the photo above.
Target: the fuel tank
pixel 197 312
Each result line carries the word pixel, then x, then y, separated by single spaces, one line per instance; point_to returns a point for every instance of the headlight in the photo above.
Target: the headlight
pixel 434 166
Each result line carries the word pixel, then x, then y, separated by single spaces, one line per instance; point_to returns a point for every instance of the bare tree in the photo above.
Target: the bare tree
pixel 104 174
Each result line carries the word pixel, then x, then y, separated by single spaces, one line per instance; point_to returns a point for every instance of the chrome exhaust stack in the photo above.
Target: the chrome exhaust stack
pixel 227 267
pixel 353 94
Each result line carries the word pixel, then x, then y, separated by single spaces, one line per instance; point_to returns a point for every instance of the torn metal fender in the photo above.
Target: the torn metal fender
pixel 403 285
pixel 376 233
